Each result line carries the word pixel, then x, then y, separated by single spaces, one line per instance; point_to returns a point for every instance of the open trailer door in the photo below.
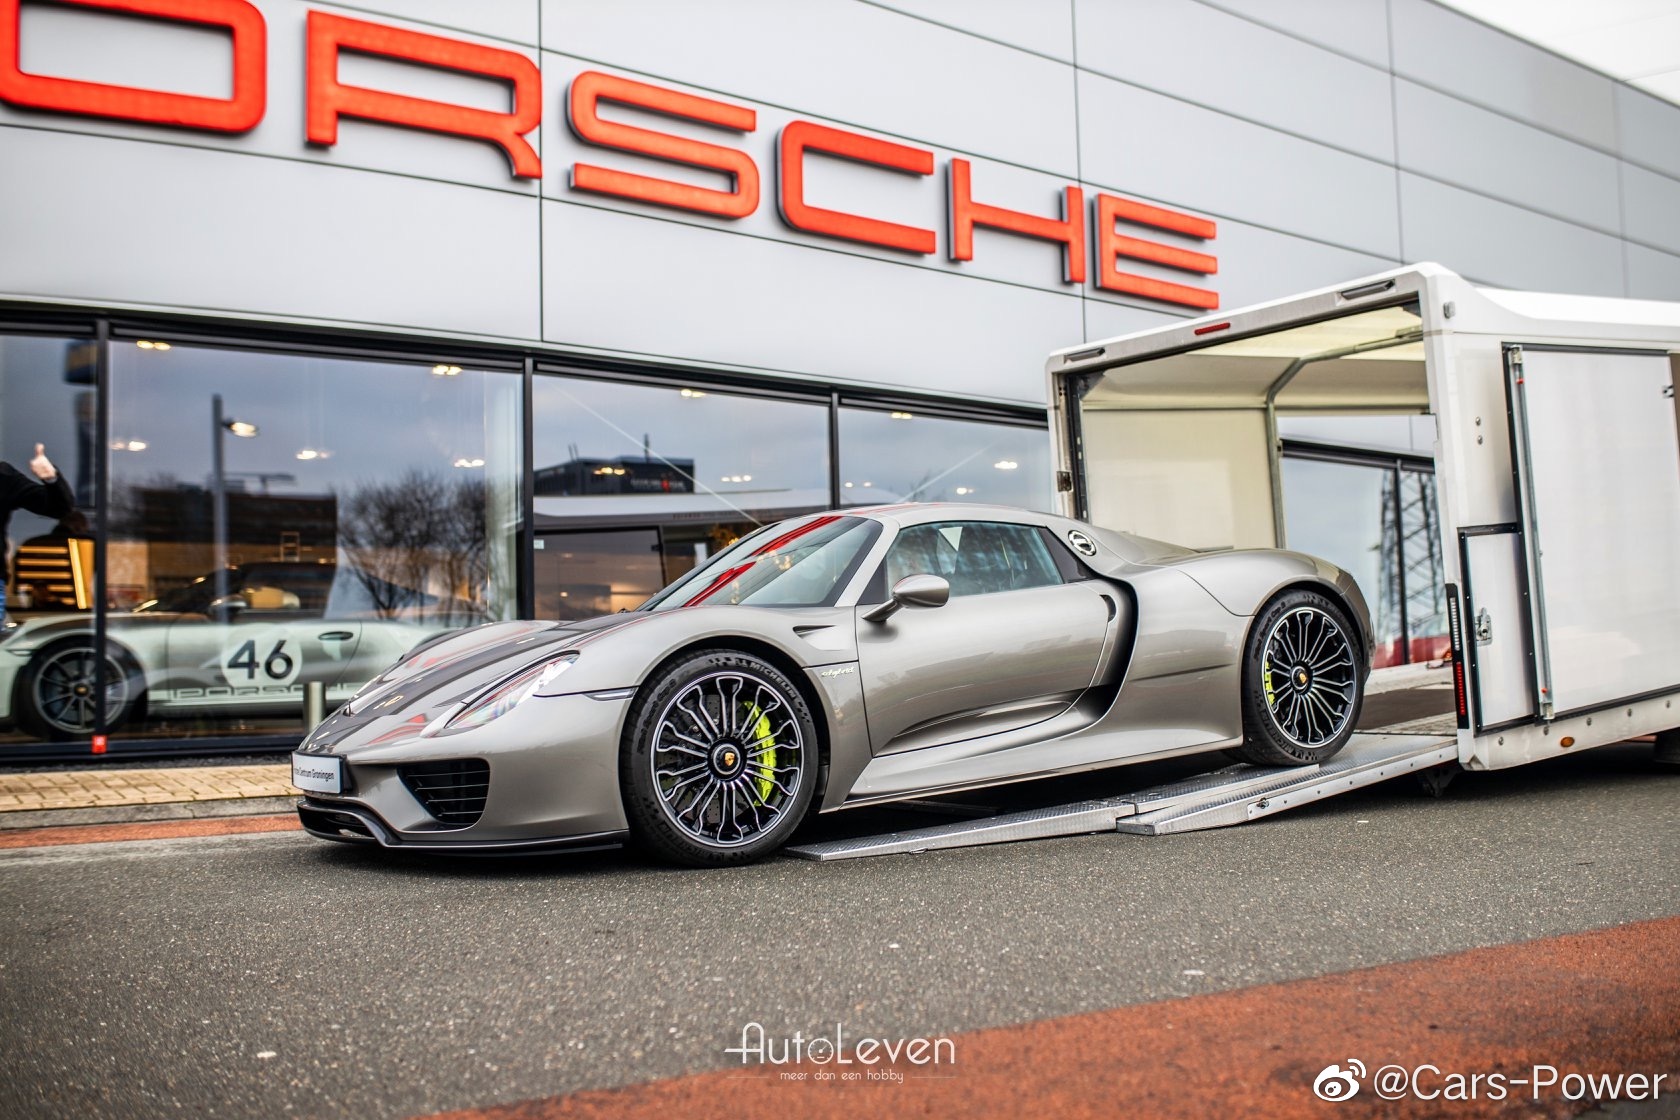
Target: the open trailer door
pixel 1596 453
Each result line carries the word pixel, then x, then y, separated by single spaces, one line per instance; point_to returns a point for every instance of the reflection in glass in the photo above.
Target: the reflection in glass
pixel 645 482
pixel 802 565
pixel 293 519
pixel 47 397
pixel 1343 512
pixel 582 575
pixel 902 457
pixel 1420 551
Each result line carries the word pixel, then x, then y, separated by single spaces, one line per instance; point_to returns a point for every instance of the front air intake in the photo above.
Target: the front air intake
pixel 453 792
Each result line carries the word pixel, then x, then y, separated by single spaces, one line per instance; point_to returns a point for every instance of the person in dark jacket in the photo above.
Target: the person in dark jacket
pixel 50 497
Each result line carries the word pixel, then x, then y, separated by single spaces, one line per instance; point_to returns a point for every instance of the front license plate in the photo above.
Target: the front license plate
pixel 318 773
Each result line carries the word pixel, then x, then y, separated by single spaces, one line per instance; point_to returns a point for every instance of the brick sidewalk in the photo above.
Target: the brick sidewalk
pixel 101 787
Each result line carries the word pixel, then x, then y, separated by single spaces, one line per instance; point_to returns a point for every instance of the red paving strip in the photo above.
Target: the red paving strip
pixel 1607 1001
pixel 55 835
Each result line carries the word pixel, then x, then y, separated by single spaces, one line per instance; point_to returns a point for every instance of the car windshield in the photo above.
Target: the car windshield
pixel 805 562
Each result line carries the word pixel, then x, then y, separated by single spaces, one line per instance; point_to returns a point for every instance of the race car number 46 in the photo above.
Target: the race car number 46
pixel 315 773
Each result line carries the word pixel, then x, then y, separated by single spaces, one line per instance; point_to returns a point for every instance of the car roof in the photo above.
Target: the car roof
pixel 920 513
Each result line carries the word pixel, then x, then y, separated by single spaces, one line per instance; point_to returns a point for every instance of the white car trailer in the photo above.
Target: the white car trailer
pixel 1557 463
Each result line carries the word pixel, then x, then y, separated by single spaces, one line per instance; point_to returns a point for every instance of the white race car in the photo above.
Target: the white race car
pixel 249 653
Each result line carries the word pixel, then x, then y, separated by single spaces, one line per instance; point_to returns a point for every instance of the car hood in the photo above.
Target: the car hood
pixel 440 675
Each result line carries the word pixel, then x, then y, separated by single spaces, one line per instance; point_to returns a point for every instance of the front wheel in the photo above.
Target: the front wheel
pixel 719 760
pixel 1303 682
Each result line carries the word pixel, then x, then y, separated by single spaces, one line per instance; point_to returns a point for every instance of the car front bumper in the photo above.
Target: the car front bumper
pixel 553 782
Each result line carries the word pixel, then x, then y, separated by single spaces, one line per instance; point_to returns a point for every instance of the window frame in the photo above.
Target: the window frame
pixel 876 591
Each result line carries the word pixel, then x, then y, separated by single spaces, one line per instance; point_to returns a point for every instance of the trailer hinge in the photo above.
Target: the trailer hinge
pixel 1064 481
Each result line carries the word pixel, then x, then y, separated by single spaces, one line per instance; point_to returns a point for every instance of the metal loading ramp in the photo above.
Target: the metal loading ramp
pixel 1214 800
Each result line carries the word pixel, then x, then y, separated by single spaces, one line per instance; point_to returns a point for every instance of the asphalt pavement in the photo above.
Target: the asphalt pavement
pixel 274 974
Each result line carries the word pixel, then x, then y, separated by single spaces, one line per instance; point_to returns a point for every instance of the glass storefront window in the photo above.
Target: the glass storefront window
pixel 898 456
pixel 637 484
pixel 280 519
pixel 48 390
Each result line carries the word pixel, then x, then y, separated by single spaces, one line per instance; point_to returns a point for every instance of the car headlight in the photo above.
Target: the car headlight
pixel 502 698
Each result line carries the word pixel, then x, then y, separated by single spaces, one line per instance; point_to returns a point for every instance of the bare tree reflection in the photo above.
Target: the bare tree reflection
pixel 416 545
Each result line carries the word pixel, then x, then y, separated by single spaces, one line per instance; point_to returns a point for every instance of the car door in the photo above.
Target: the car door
pixel 1015 644
pixel 260 652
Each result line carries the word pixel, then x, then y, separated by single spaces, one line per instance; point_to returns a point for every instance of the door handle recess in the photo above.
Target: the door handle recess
pixel 336 636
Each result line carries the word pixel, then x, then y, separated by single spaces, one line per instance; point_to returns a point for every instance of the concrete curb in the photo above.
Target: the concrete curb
pixel 155 811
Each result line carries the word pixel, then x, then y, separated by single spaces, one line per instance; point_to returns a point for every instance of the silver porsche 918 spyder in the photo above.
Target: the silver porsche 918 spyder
pixel 842 659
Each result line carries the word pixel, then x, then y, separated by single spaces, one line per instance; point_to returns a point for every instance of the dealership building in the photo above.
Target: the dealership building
pixel 348 324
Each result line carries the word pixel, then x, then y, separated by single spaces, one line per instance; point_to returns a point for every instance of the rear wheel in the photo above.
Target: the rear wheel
pixel 719 762
pixel 57 695
pixel 1303 681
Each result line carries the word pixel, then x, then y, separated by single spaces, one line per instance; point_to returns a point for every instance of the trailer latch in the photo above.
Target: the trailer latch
pixel 1484 628
pixel 1064 481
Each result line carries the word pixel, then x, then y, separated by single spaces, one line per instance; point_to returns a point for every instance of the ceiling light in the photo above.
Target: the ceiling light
pixel 128 445
pixel 692 393
pixel 1005 465
pixel 963 491
pixel 148 344
pixel 244 429
pixel 309 453
pixel 445 371
pixel 902 416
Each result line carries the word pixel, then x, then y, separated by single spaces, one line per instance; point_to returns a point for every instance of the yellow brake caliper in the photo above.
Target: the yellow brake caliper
pixel 1266 676
pixel 763 738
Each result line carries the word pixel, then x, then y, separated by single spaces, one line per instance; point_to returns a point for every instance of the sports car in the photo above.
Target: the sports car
pixel 246 655
pixel 842 659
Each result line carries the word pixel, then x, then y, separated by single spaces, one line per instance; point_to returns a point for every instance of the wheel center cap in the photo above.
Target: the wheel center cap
pixel 1302 678
pixel 81 690
pixel 727 759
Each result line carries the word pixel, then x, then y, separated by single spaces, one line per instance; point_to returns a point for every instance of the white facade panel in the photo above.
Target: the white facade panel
pixel 1045 27
pixel 1187 49
pixel 1652 275
pixel 666 289
pixel 1506 246
pixel 512 20
pixel 1450 139
pixel 170 226
pixel 1651 207
pixel 1160 148
pixel 1257 264
pixel 854 62
pixel 1354 27
pixel 1649 130
pixel 158 55
pixel 1109 320
pixel 1452 52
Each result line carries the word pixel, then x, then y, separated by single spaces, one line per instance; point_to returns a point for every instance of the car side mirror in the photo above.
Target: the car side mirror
pixel 912 591
pixel 228 606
